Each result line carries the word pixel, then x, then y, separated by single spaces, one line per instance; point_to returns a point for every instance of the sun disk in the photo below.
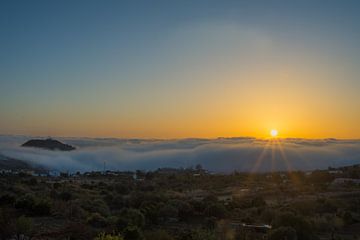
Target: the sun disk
pixel 273 132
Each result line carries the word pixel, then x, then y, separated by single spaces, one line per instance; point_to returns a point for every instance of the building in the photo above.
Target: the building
pixel 340 181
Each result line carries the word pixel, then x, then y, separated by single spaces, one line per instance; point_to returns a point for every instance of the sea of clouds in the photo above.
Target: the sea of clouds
pixel 218 155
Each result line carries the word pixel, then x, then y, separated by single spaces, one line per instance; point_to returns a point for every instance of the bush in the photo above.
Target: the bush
pixel 103 236
pixel 200 234
pixel 168 211
pixel 65 196
pixel 25 202
pixel 32 182
pixel 38 207
pixel 95 205
pixel 6 199
pixel 216 210
pixel 122 188
pixel 6 224
pixel 24 226
pixel 158 235
pixel 41 207
pixel 185 210
pixel 96 220
pixel 78 231
pixel 132 233
pixel 282 233
pixel 130 217
pixel 301 226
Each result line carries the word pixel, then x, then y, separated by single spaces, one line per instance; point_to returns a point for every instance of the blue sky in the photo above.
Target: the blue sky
pixel 119 68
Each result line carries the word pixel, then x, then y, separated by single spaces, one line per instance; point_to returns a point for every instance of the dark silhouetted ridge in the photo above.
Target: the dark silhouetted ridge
pixel 7 163
pixel 49 144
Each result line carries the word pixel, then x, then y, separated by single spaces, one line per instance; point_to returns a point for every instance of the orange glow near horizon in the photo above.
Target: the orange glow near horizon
pixel 210 101
pixel 205 78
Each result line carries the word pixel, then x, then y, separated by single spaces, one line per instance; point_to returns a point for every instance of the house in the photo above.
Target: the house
pixel 197 195
pixel 225 197
pixel 340 181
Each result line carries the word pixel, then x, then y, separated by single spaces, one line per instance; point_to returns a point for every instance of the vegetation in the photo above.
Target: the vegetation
pixel 190 204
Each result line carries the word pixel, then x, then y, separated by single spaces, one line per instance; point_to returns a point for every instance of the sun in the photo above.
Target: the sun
pixel 274 132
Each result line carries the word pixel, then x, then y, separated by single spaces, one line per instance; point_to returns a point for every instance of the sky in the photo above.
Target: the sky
pixel 179 69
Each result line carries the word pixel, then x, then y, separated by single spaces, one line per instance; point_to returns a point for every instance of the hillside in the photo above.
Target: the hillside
pixel 48 144
pixel 7 163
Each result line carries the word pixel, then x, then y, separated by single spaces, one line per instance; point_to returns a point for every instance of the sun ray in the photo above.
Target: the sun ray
pixel 289 168
pixel 273 163
pixel 258 162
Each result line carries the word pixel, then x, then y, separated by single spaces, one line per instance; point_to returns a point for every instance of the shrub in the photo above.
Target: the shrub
pixel 25 202
pixel 95 205
pixel 32 182
pixel 216 210
pixel 65 196
pixel 122 188
pixel 282 233
pixel 78 231
pixel 41 207
pixel 24 226
pixel 6 224
pixel 158 235
pixel 103 236
pixel 201 234
pixel 96 220
pixel 301 226
pixel 38 207
pixel 132 233
pixel 168 211
pixel 6 199
pixel 130 217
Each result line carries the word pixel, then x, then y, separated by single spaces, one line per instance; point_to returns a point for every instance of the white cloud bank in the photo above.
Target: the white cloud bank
pixel 219 155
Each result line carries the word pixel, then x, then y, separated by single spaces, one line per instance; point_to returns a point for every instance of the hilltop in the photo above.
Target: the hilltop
pixel 7 163
pixel 49 144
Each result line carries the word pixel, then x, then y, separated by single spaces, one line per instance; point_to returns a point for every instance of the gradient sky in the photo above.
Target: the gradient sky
pixel 173 69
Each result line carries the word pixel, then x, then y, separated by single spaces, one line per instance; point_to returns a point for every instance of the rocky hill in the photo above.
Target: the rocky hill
pixel 48 144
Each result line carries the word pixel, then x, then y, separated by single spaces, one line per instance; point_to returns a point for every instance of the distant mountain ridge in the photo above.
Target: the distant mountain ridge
pixel 7 163
pixel 48 144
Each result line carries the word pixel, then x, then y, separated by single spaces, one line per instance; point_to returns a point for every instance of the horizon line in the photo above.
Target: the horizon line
pixel 182 138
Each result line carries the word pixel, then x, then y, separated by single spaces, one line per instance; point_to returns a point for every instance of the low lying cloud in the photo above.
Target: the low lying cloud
pixel 219 155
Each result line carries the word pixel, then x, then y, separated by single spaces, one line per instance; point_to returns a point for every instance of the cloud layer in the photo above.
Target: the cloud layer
pixel 219 155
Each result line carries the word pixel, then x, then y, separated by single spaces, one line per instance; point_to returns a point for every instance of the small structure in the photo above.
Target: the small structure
pixel 225 197
pixel 263 228
pixel 254 231
pixel 341 181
